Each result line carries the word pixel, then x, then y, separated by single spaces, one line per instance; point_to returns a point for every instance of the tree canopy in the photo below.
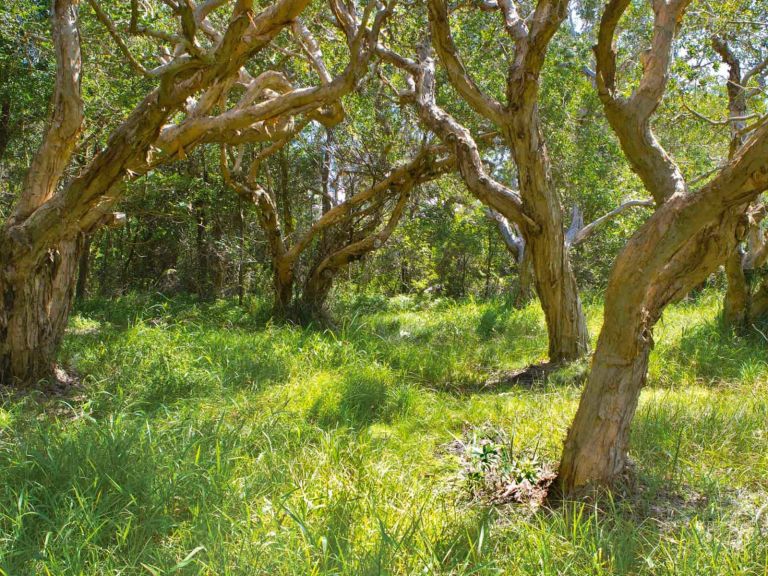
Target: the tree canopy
pixel 305 150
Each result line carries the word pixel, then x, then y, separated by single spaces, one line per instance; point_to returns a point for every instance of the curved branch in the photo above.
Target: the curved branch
pixel 102 17
pixel 263 119
pixel 457 72
pixel 489 191
pixel 420 169
pixel 515 243
pixel 578 232
pixel 126 150
pixel 630 118
pixel 59 141
pixel 357 249
pixel 268 218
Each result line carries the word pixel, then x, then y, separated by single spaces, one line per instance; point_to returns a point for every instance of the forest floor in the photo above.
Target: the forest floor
pixel 205 439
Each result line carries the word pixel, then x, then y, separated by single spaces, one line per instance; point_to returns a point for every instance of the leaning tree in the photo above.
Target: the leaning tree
pixel 193 69
pixel 690 234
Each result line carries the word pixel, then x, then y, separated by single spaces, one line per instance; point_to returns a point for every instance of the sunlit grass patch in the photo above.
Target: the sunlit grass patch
pixel 209 440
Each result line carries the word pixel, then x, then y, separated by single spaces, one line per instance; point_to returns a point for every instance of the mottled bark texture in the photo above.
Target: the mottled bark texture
pixel 36 298
pixel 39 241
pixel 689 235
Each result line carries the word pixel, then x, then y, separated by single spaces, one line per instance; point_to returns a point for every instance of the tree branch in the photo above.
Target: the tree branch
pixel 578 232
pixel 630 118
pixel 457 73
pixel 60 139
pixel 460 141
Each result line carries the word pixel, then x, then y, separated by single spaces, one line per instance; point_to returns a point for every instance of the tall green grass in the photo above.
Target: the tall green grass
pixel 206 439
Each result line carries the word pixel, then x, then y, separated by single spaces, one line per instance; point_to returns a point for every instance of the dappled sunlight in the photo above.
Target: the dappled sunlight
pixel 272 446
pixel 693 347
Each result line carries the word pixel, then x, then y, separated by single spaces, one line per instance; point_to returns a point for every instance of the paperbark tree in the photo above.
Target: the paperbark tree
pixel 351 229
pixel 536 206
pixel 39 242
pixel 689 235
pixel 740 305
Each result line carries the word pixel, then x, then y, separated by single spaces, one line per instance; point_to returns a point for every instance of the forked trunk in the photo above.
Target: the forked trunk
pixel 553 276
pixel 655 269
pixel 34 316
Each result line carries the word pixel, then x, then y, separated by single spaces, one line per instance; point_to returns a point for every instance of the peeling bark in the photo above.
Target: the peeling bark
pixel 535 209
pixel 688 237
pixel 34 314
pixel 38 243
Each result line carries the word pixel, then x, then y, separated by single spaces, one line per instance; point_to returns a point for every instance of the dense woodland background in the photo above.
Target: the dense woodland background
pixel 186 231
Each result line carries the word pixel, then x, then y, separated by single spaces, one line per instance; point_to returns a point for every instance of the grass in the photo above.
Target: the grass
pixel 207 440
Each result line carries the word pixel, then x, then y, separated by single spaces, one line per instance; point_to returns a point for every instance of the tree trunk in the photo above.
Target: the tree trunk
pixel 736 300
pixel 34 316
pixel 218 259
pixel 553 276
pixel 283 278
pixel 405 276
pixel 525 279
pixel 660 265
pixel 83 269
pixel 489 263
pixel 312 306
pixel 758 305
pixel 688 237
pixel 201 251
pixel 737 295
pixel 556 287
pixel 596 447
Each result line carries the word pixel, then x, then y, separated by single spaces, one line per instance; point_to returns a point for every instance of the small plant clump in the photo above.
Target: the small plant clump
pixel 497 472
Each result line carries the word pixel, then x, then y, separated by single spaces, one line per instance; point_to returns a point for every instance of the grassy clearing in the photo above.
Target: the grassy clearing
pixel 208 440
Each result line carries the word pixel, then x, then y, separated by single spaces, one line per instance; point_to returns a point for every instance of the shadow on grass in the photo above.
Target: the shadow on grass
pixel 709 352
pixel 362 396
pixel 152 366
pixel 79 494
pixel 122 312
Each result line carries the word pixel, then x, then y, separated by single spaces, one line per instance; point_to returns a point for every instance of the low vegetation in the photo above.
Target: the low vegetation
pixel 206 439
pixel 383 287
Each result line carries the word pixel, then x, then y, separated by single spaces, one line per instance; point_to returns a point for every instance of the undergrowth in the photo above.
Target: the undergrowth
pixel 207 439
